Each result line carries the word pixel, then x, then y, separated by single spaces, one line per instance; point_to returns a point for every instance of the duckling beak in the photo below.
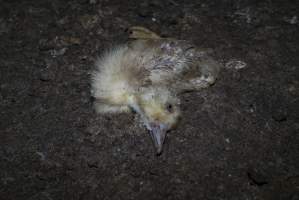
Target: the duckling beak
pixel 158 133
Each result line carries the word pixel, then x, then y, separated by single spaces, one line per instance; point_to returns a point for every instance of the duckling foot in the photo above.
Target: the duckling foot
pixel 138 32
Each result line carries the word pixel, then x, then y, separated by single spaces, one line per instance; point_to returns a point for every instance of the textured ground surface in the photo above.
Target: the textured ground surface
pixel 237 140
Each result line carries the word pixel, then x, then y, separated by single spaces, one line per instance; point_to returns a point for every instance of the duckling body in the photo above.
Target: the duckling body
pixel 146 75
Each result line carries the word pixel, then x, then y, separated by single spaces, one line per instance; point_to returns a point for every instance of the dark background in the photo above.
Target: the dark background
pixel 237 140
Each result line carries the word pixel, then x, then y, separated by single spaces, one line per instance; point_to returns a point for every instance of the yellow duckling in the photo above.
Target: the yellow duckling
pixel 146 75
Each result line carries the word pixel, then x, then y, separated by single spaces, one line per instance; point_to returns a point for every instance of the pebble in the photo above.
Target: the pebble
pixel 235 64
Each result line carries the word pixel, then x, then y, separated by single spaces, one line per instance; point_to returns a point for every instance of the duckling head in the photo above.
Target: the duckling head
pixel 159 111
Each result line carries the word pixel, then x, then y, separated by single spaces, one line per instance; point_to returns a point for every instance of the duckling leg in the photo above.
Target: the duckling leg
pixel 201 82
pixel 106 108
pixel 191 85
pixel 206 75
pixel 138 32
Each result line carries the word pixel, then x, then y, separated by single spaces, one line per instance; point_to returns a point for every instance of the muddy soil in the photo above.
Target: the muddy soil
pixel 238 139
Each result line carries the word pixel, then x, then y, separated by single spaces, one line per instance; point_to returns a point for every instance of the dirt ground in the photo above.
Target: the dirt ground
pixel 238 139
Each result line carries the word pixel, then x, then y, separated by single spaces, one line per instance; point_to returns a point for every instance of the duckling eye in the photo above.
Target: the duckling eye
pixel 169 107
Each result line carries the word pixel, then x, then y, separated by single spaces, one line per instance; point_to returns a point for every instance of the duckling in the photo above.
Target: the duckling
pixel 146 75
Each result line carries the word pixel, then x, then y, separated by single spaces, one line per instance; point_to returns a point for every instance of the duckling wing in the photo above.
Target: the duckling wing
pixel 176 63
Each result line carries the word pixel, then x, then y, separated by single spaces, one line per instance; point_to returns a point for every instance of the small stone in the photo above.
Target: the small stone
pixel 54 53
pixel 88 21
pixel 257 178
pixel 92 163
pixel 143 12
pixel 280 116
pixel 293 20
pixel 279 112
pixel 63 20
pixel 235 64
pixel 70 40
pixel 294 88
pixel 45 75
pixel 41 155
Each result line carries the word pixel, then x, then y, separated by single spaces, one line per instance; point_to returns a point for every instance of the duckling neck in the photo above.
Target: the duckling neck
pixel 133 104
